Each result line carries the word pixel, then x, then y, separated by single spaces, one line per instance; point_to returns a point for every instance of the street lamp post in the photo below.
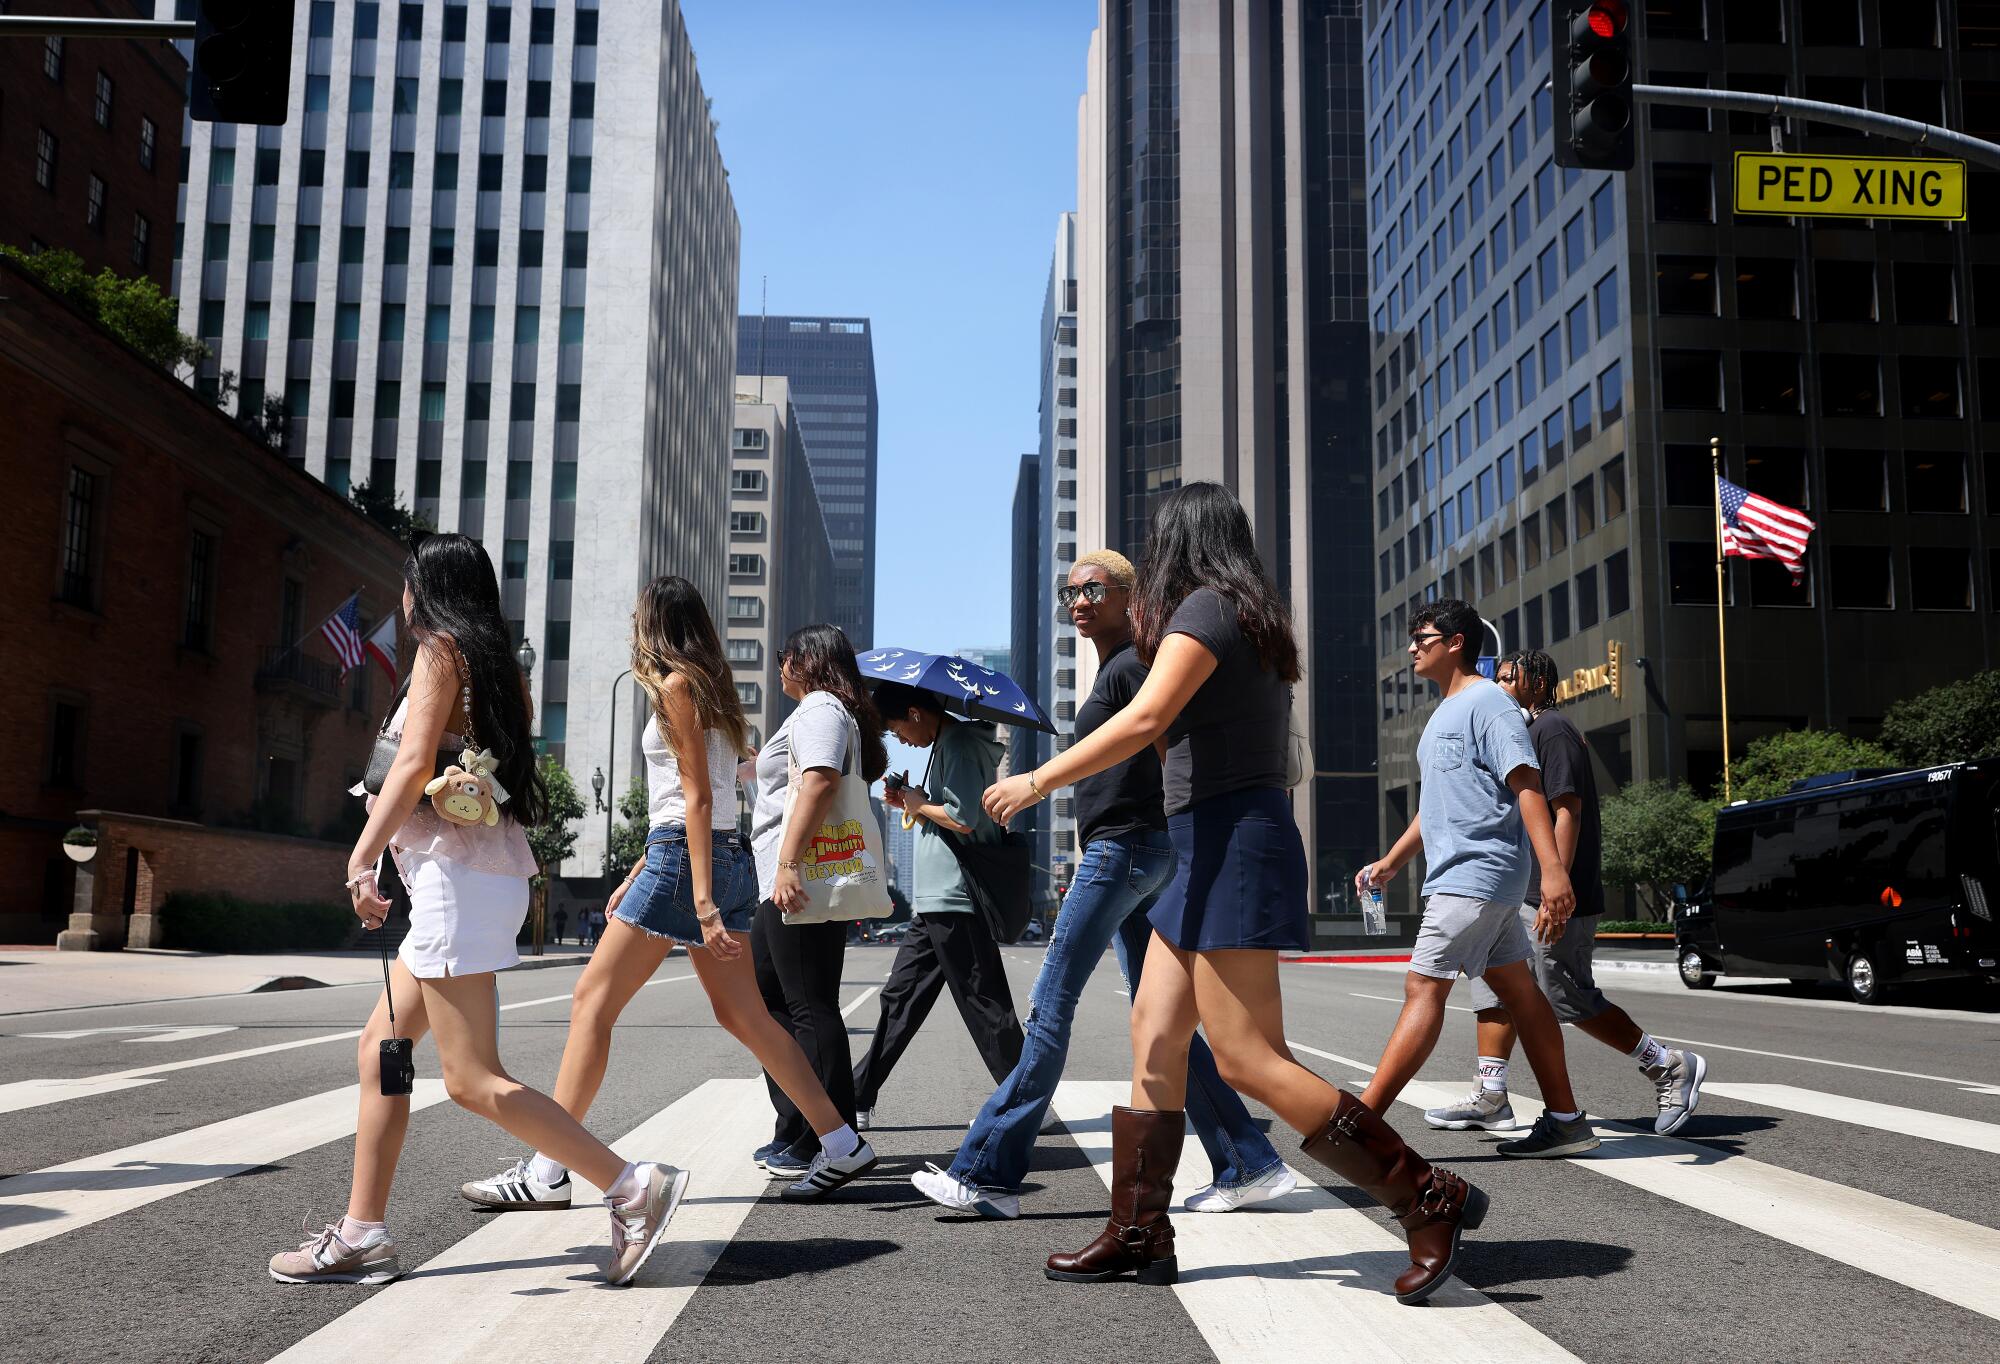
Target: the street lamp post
pixel 597 788
pixel 611 765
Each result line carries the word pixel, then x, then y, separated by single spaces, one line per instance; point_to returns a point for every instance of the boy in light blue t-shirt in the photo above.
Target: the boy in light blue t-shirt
pixel 1480 817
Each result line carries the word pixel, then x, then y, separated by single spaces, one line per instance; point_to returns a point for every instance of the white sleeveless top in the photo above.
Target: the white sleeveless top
pixel 666 800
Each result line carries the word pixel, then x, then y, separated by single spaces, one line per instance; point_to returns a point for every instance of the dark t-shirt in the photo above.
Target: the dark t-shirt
pixel 1125 798
pixel 1232 734
pixel 1566 771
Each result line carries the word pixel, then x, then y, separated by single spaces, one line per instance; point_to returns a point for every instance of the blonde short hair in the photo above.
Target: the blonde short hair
pixel 1112 562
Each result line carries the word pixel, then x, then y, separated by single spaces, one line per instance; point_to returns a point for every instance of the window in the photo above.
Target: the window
pixel 148 142
pixel 1777 473
pixel 1850 385
pixel 514 560
pixel 187 769
pixel 751 694
pixel 199 621
pixel 520 480
pixel 746 608
pixel 746 480
pixel 1586 598
pixel 1861 577
pixel 744 651
pixel 745 565
pixel 748 439
pixel 1940 578
pixel 142 241
pixel 1579 418
pixel 1686 285
pixel 52 58
pixel 1930 386
pixel 1771 585
pixel 1934 481
pixel 1766 288
pixel 1691 573
pixel 1611 393
pixel 102 109
pixel 1559 613
pixel 1910 23
pixel 1832 23
pixel 746 523
pixel 1617 584
pixel 1754 21
pixel 45 158
pixel 79 562
pixel 1682 194
pixel 1770 381
pixel 1857 480
pixel 1691 380
pixel 562 568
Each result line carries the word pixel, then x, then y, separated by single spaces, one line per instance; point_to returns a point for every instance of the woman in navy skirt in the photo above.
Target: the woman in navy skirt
pixel 1219 638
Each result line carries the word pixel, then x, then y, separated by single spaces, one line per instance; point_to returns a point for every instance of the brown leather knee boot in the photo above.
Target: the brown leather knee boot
pixel 1145 1151
pixel 1435 1206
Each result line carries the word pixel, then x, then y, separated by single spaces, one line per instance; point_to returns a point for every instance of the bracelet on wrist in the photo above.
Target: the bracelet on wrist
pixel 1034 785
pixel 368 874
pixel 791 864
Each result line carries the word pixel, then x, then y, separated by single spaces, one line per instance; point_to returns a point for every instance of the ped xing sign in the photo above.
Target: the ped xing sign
pixel 1850 186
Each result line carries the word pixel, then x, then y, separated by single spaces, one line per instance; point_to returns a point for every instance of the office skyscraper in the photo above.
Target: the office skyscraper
pixel 1553 351
pixel 1222 315
pixel 831 364
pixel 1056 669
pixel 469 288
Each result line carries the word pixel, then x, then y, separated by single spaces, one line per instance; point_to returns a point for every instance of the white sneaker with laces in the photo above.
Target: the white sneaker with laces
pixel 947 1190
pixel 827 1174
pixel 1215 1198
pixel 516 1188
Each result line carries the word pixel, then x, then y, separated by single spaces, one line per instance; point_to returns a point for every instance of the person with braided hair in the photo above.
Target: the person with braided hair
pixel 1563 967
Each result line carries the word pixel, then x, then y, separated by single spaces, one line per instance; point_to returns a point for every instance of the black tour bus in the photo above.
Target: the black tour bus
pixel 1870 878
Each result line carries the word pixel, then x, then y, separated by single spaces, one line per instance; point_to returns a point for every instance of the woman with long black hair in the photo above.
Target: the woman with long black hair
pixel 468 888
pixel 834 730
pixel 696 885
pixel 1219 638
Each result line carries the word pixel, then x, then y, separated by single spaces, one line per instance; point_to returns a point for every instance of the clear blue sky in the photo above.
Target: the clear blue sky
pixel 905 160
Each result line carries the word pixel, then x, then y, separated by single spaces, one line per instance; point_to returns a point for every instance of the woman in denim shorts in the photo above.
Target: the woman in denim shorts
pixel 696 885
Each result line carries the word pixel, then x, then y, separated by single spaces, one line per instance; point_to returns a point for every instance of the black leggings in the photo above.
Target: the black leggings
pixel 798 973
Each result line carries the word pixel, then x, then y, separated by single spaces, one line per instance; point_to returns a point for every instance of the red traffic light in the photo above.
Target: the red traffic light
pixel 1602 22
pixel 1606 20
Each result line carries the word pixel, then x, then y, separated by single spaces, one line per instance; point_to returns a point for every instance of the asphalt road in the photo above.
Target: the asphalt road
pixel 1834 1199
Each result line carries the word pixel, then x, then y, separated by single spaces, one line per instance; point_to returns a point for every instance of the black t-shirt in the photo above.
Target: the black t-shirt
pixel 1566 771
pixel 1125 798
pixel 1233 733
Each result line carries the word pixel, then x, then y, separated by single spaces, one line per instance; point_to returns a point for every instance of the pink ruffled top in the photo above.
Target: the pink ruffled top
pixel 501 849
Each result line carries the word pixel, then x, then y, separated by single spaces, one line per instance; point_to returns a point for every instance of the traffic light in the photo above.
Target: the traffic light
pixel 242 61
pixel 1591 81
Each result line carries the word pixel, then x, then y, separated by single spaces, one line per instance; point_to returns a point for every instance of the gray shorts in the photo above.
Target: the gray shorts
pixel 1462 935
pixel 1562 969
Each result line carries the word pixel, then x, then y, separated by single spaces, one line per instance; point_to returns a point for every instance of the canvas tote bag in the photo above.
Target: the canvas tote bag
pixel 841 865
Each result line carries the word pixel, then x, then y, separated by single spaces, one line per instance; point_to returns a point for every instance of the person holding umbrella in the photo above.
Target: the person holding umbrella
pixel 950 942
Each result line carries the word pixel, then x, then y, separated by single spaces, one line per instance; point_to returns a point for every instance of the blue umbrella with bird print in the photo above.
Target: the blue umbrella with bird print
pixel 965 688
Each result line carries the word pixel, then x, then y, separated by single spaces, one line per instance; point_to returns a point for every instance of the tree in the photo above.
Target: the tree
pixel 383 507
pixel 628 840
pixel 1771 764
pixel 1946 724
pixel 554 839
pixel 132 309
pixel 1656 835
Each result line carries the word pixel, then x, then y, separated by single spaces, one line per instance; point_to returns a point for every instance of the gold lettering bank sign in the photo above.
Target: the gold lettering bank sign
pixel 1850 186
pixel 1606 676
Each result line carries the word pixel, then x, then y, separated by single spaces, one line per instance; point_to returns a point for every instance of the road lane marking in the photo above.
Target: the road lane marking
pixel 23 1094
pixel 1391 999
pixel 527 1285
pixel 149 1032
pixel 1911 1122
pixel 62 1198
pixel 1306 1274
pixel 859 1000
pixel 1941 1256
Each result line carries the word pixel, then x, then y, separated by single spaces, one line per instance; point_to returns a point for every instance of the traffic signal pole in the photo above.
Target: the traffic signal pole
pixel 1926 135
pixel 51 26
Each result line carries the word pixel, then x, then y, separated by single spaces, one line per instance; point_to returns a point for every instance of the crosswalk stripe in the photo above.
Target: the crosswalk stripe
pixel 21 1094
pixel 1910 1122
pixel 61 1198
pixel 1942 1256
pixel 528 1287
pixel 1306 1276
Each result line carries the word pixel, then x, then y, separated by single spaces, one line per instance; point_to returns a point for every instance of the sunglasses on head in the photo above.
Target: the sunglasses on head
pixel 1068 594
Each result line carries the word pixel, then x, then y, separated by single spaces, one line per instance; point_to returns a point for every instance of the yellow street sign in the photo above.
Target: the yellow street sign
pixel 1850 186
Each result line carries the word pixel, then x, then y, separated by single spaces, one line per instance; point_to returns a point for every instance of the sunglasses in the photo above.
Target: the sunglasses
pixel 1069 593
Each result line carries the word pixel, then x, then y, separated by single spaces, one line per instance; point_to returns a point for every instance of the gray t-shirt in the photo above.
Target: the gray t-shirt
pixel 1234 731
pixel 822 734
pixel 1474 842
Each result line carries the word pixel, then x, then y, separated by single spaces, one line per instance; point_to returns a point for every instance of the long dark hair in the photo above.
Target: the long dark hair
pixel 457 610
pixel 1201 538
pixel 822 660
pixel 672 633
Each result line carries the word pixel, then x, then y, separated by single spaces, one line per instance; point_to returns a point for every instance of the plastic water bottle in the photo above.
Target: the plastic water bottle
pixel 1374 920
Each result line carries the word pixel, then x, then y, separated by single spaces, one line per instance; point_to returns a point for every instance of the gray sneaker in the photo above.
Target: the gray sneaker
pixel 636 1227
pixel 1550 1137
pixel 1678 1080
pixel 1485 1110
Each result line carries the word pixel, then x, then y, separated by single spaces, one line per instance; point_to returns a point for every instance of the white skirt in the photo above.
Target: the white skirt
pixel 462 922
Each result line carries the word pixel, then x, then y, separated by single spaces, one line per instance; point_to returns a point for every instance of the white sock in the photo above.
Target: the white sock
pixel 354 1233
pixel 840 1145
pixel 629 1185
pixel 1565 1117
pixel 1493 1073
pixel 546 1171
pixel 1649 1052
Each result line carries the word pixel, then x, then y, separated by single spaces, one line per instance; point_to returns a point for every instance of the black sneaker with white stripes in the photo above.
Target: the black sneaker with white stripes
pixel 516 1189
pixel 828 1174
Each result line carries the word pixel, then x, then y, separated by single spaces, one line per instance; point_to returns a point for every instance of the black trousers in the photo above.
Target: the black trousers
pixel 798 973
pixel 944 949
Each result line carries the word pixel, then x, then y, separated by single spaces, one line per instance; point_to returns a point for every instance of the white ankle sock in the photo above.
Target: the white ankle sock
pixel 1648 1053
pixel 629 1185
pixel 546 1171
pixel 1566 1117
pixel 1493 1072
pixel 354 1233
pixel 841 1144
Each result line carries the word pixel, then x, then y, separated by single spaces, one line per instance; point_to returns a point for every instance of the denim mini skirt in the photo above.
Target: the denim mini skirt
pixel 661 900
pixel 1241 877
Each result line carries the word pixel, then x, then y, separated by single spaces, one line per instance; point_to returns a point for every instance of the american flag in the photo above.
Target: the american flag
pixel 1755 527
pixel 343 632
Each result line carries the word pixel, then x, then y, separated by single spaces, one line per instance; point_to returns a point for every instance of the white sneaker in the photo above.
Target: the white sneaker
pixel 1215 1198
pixel 827 1174
pixel 947 1190
pixel 516 1188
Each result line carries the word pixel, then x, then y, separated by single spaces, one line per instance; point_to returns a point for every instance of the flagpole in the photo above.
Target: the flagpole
pixel 1721 641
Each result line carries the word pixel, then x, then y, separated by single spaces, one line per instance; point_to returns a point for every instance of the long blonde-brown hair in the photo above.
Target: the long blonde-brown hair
pixel 672 633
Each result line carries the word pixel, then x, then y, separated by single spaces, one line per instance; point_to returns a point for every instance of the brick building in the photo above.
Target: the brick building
pixel 90 142
pixel 159 564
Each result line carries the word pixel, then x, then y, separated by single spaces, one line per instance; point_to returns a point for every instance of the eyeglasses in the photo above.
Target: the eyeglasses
pixel 1424 641
pixel 1068 593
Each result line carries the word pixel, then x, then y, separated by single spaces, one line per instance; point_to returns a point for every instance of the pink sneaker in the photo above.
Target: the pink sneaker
pixel 636 1227
pixel 326 1258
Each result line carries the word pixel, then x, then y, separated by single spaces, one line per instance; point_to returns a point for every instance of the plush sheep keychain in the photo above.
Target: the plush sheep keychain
pixel 468 792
